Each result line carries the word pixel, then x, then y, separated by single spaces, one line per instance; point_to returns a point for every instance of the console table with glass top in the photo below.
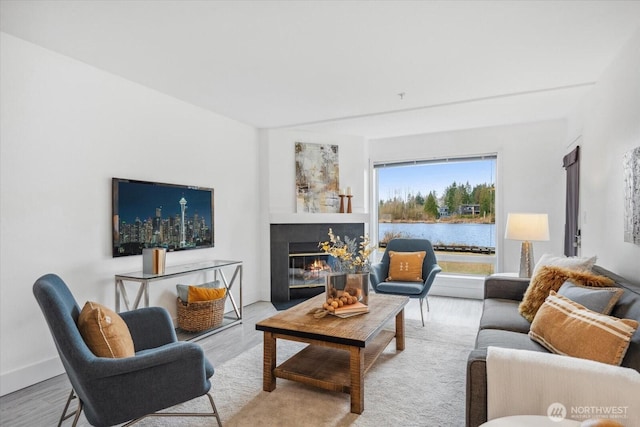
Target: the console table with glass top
pixel 217 266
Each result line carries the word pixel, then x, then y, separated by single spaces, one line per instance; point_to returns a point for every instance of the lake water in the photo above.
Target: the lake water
pixel 443 233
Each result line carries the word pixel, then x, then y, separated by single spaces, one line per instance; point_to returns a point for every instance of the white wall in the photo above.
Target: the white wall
pixel 530 177
pixel 606 127
pixel 67 129
pixel 353 154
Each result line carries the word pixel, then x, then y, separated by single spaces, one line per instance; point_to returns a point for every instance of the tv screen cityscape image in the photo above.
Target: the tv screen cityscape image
pixel 150 214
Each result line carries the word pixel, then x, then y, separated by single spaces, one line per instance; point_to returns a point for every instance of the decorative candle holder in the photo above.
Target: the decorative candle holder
pixel 341 203
pixel 349 203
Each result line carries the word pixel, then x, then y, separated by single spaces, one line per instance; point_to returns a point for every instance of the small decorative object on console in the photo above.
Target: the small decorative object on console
pixel 153 260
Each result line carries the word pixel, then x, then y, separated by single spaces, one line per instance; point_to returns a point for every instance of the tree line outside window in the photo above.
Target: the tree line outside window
pixel 459 201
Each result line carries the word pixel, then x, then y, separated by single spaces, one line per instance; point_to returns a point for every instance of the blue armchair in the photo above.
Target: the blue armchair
pixel 164 372
pixel 430 267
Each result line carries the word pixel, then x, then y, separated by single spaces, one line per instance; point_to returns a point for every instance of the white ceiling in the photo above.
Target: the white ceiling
pixel 339 66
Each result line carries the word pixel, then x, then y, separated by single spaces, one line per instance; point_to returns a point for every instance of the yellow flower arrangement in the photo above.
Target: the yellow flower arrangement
pixel 351 256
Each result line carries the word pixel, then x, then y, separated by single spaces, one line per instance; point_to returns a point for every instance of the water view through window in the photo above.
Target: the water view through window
pixel 449 202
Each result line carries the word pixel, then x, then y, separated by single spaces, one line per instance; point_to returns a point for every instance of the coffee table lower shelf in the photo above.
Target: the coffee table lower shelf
pixel 328 367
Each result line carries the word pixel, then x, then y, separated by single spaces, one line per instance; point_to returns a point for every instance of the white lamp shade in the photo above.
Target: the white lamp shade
pixel 527 226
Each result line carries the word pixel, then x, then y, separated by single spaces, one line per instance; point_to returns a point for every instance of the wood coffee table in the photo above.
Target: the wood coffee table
pixel 341 351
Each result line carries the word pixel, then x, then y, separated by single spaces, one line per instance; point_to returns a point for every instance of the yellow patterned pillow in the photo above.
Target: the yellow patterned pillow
pixel 197 294
pixel 405 266
pixel 566 327
pixel 104 331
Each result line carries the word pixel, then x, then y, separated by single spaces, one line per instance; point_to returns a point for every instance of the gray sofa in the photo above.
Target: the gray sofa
pixel 502 325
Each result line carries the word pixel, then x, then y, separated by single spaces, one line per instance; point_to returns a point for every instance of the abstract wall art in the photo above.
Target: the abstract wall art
pixel 631 171
pixel 317 173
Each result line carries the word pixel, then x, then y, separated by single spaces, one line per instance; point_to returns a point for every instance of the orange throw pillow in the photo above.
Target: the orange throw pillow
pixel 566 327
pixel 197 294
pixel 405 266
pixel 104 331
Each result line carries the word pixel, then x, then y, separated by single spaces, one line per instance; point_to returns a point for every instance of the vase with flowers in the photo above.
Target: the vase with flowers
pixel 351 266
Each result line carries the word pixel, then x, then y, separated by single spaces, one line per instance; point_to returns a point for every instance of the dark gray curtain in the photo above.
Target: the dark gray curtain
pixel 571 163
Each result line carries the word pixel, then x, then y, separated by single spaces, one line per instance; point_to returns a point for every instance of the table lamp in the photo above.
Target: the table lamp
pixel 527 227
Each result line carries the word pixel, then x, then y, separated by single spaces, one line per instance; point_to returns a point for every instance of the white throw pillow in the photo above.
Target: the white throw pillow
pixel 581 264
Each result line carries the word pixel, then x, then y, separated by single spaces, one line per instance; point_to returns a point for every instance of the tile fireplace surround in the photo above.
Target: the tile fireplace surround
pixel 284 234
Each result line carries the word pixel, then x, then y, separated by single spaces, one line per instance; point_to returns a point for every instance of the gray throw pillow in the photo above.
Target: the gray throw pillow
pixel 183 290
pixel 601 300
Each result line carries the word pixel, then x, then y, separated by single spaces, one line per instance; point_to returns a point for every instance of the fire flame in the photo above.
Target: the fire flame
pixel 318 265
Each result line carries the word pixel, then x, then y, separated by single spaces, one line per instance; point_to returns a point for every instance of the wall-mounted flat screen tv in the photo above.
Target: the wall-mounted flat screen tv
pixel 153 214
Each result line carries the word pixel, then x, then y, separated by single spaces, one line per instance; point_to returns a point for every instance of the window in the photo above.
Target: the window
pixel 450 202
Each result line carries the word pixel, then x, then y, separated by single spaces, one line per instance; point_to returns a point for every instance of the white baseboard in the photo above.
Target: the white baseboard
pixel 458 286
pixel 29 375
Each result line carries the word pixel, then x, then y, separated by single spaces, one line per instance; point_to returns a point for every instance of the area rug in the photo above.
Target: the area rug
pixel 296 296
pixel 424 385
pixel 286 305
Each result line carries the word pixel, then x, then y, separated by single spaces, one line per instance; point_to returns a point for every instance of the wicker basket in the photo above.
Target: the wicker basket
pixel 200 316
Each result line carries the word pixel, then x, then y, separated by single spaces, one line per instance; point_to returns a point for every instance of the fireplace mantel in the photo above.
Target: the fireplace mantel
pixel 318 218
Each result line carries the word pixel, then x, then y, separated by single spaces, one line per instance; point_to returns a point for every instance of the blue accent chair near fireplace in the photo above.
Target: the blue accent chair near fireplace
pixel 430 267
pixel 164 372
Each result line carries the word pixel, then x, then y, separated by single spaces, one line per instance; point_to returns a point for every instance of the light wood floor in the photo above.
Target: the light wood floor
pixel 41 404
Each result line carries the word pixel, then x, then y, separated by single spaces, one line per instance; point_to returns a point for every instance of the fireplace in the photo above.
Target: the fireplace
pixel 297 263
pixel 308 266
